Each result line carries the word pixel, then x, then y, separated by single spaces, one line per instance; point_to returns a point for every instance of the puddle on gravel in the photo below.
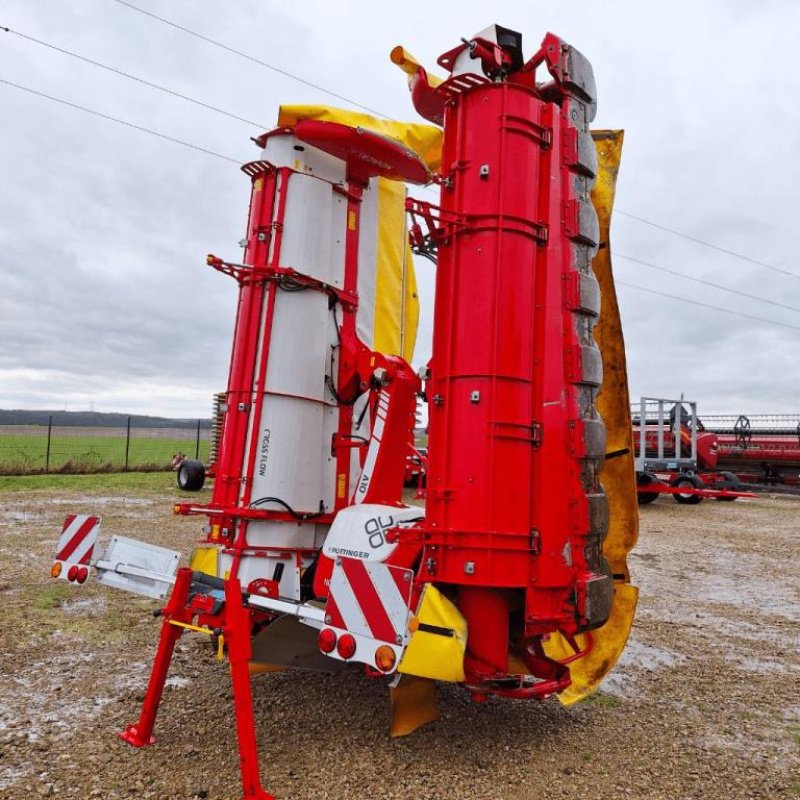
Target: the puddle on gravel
pixel 141 508
pixel 85 605
pixel 92 500
pixel 722 576
pixel 762 666
pixel 687 614
pixel 20 516
pixel 11 774
pixel 742 580
pixel 636 662
pixel 31 700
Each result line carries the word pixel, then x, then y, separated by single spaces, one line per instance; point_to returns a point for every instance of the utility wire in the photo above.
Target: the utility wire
pixel 152 85
pixel 338 96
pixel 706 283
pixel 120 121
pixel 205 150
pixel 288 74
pixel 708 244
pixel 210 107
pixel 707 305
pixel 247 56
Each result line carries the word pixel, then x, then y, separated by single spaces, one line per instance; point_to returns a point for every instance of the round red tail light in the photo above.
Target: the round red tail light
pixel 72 574
pixel 346 646
pixel 327 640
pixel 83 574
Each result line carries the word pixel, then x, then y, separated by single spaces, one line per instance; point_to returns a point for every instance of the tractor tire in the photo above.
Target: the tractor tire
pixel 645 498
pixel 689 481
pixel 191 476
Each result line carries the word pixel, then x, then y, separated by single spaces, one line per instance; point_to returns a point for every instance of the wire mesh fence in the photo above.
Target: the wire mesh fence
pixel 29 449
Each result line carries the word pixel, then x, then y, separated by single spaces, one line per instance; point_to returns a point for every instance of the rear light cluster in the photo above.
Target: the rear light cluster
pixel 327 640
pixel 75 574
pixel 345 646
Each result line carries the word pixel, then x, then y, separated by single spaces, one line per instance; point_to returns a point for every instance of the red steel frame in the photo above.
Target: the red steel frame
pixel 228 511
pixel 235 624
pixel 359 370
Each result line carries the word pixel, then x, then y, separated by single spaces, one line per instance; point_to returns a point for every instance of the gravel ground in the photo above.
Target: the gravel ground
pixel 703 704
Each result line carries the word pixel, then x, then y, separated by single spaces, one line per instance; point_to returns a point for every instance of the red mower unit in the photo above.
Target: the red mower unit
pixel 512 581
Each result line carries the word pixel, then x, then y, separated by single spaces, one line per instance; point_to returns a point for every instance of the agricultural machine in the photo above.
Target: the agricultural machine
pixel 512 581
pixel 760 448
pixel 677 453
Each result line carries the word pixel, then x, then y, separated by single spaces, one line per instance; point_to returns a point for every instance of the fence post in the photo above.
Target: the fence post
pixel 127 443
pixel 49 437
pixel 197 443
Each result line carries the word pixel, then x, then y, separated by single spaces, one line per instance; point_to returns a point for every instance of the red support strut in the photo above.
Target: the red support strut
pixel 141 733
pixel 237 632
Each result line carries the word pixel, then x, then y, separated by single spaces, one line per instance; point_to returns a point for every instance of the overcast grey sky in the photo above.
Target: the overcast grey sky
pixel 105 298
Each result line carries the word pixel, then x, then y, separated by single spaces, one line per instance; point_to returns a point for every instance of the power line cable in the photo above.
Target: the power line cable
pixel 694 239
pixel 205 150
pixel 707 305
pixel 120 121
pixel 331 93
pixel 706 283
pixel 128 75
pixel 249 57
pixel 288 74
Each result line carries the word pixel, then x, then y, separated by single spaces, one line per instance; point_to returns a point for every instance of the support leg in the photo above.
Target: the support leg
pixel 237 636
pixel 141 733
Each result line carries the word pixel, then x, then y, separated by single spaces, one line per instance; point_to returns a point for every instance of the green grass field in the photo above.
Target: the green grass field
pixel 27 453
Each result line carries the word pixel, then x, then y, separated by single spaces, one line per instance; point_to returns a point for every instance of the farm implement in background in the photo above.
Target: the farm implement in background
pixel 760 448
pixel 676 455
pixel 513 580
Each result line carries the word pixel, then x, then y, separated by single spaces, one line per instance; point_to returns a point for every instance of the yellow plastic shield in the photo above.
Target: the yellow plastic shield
pixel 436 648
pixel 205 559
pixel 396 300
pixel 413 704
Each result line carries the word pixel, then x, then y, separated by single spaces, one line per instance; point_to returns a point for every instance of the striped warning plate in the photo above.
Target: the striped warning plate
pixel 369 599
pixel 77 540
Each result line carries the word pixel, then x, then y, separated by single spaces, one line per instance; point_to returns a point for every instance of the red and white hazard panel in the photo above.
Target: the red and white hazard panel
pixel 75 547
pixel 367 611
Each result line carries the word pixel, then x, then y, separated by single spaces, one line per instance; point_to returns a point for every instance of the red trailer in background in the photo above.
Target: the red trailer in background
pixel 674 454
pixel 719 456
pixel 759 448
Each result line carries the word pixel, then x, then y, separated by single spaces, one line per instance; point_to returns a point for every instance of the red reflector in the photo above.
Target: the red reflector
pixel 73 573
pixel 83 574
pixel 346 646
pixel 327 640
